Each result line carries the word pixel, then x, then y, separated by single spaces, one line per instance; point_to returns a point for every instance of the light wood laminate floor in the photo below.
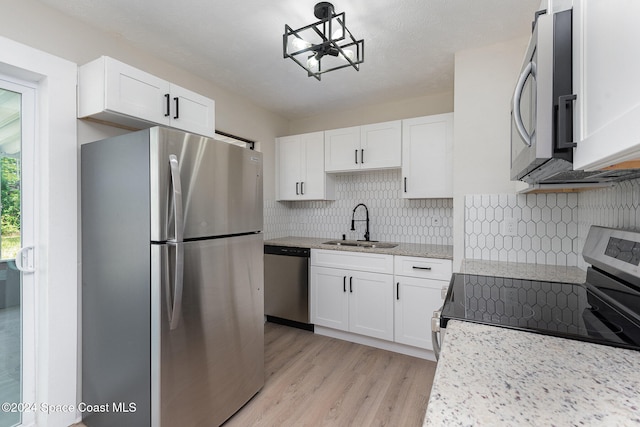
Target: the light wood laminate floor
pixel 313 380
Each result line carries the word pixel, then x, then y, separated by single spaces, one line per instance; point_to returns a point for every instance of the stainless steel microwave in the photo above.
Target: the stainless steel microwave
pixel 542 104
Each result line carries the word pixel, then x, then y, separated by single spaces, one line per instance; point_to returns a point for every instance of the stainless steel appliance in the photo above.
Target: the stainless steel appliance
pixel 604 310
pixel 541 109
pixel 172 279
pixel 286 284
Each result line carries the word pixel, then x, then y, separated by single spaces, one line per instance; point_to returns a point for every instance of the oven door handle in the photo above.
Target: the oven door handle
pixel 530 69
pixel 435 330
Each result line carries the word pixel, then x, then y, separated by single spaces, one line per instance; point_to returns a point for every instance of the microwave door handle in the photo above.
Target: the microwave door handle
pixel 564 121
pixel 530 69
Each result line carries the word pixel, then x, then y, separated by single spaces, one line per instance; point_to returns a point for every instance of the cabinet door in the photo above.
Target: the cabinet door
pixel 312 176
pixel 288 166
pixel 192 112
pixel 427 157
pixel 330 298
pixel 135 93
pixel 381 145
pixel 415 301
pixel 371 304
pixel 606 81
pixel 342 149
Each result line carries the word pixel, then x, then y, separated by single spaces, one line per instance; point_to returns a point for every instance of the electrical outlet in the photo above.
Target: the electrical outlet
pixel 436 221
pixel 510 227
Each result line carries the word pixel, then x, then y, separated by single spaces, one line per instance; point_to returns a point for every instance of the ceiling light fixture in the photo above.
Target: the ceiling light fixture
pixel 325 45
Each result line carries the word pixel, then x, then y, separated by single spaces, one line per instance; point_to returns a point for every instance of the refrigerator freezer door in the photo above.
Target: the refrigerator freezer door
pixel 213 362
pixel 221 186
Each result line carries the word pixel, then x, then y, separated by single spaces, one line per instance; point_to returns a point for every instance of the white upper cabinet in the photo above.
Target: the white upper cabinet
pixel 342 149
pixel 375 146
pixel 607 125
pixel 427 157
pixel 380 145
pixel 114 92
pixel 300 168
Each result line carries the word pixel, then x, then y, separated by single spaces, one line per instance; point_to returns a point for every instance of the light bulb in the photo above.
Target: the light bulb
pixel 300 44
pixel 348 53
pixel 312 63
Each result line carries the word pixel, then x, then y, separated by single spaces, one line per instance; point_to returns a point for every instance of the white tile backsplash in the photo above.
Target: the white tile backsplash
pixel 545 232
pixel 617 206
pixel 550 228
pixel 392 218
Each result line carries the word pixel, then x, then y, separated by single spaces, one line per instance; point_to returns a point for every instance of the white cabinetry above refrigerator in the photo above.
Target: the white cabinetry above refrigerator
pixel 114 92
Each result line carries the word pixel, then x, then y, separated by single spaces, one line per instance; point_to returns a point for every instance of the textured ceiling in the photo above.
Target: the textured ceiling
pixel 409 44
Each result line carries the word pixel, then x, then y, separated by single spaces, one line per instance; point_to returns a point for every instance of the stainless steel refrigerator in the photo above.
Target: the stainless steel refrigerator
pixel 172 279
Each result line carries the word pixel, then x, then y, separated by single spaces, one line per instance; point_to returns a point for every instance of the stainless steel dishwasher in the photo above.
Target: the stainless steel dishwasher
pixel 286 286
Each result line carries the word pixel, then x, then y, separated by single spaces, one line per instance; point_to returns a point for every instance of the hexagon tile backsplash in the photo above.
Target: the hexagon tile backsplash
pixel 534 228
pixel 543 228
pixel 392 218
pixel 549 228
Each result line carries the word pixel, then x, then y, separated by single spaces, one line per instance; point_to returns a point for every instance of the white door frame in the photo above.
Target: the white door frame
pixel 56 230
pixel 28 206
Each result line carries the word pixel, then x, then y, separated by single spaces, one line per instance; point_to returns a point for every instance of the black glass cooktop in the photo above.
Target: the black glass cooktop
pixel 576 311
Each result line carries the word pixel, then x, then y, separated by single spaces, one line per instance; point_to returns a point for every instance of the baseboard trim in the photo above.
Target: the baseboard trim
pixel 377 343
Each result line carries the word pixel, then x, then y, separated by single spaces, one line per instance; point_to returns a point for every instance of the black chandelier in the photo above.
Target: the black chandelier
pixel 323 46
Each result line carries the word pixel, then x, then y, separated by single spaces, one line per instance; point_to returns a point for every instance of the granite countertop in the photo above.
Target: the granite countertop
pixel 549 273
pixel 403 249
pixel 492 376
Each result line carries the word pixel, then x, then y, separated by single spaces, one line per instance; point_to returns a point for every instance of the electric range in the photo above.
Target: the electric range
pixel 604 310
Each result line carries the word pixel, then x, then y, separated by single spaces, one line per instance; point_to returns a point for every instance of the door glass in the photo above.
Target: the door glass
pixel 10 243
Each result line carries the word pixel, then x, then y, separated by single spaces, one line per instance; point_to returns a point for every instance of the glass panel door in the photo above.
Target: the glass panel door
pixel 16 288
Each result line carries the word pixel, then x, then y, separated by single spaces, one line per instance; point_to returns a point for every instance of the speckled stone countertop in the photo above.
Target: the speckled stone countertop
pixel 492 376
pixel 549 273
pixel 403 249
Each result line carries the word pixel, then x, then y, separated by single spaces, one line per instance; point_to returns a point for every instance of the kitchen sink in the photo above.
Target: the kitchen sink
pixel 361 244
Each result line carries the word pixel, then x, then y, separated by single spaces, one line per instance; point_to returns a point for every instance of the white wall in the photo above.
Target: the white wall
pixel 402 109
pixel 484 82
pixel 37 25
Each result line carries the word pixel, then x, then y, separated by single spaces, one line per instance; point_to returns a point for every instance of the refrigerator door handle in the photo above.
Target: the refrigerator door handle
pixel 175 309
pixel 177 197
pixel 174 314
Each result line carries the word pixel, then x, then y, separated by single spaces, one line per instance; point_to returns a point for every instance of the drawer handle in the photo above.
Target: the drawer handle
pixel 344 284
pixel 398 291
pixel 350 285
pixel 421 268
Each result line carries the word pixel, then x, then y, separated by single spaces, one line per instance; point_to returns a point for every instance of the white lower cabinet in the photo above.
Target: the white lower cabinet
pixel 419 283
pixel 354 301
pixel 416 300
pixel 346 298
pixel 375 303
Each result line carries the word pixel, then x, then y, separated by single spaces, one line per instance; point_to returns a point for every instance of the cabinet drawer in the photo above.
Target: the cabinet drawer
pixel 431 268
pixel 376 263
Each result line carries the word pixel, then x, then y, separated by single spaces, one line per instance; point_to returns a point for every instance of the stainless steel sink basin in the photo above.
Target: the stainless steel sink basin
pixel 361 244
